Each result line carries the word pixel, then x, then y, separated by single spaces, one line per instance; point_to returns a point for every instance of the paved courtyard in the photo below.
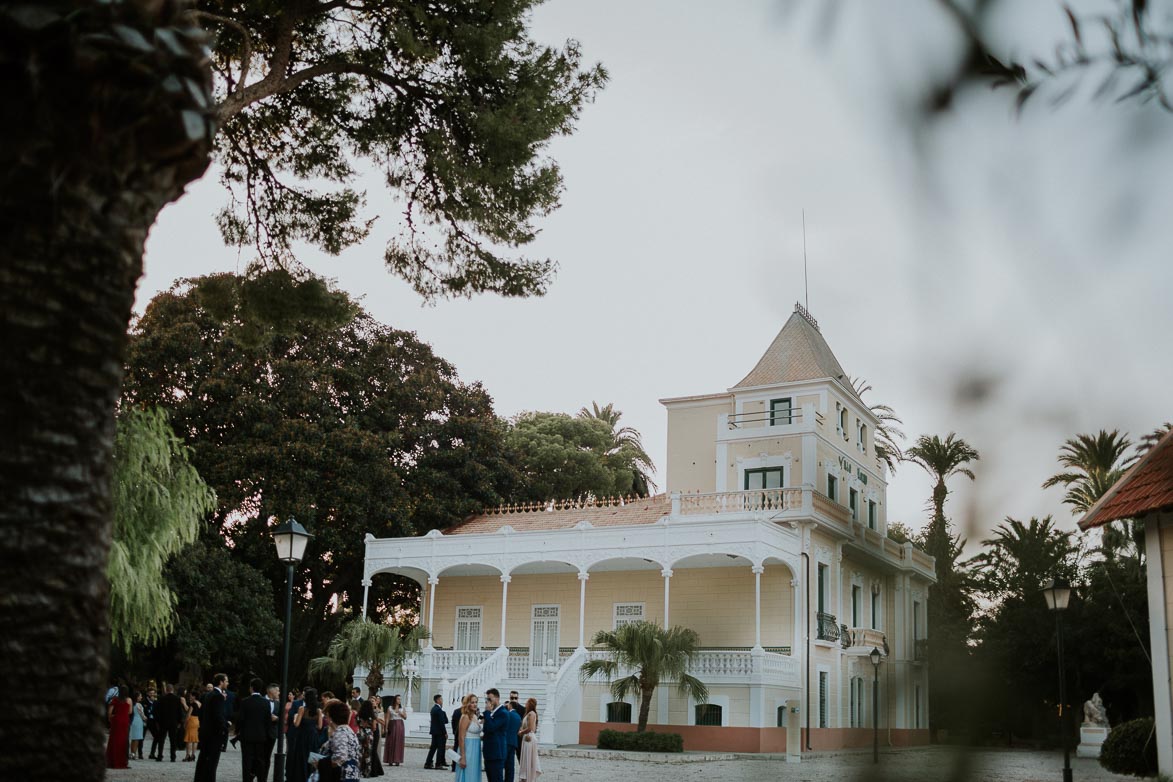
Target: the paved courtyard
pixel 935 764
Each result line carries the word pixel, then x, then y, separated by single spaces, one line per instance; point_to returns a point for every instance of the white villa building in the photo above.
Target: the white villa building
pixel 770 542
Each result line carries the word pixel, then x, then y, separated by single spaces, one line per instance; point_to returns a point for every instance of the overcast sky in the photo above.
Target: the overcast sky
pixel 1030 253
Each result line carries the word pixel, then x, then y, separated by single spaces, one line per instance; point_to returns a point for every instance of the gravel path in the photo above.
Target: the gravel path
pixel 934 764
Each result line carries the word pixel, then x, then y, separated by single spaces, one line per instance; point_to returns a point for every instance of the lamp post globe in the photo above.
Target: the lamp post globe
pixel 1057 593
pixel 290 540
pixel 876 655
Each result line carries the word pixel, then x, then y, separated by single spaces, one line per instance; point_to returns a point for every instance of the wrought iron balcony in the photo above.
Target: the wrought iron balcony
pixel 827 627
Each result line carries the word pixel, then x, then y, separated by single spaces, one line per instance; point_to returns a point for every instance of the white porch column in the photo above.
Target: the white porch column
pixel 582 581
pixel 433 582
pixel 667 574
pixel 505 579
pixel 366 588
pixel 757 606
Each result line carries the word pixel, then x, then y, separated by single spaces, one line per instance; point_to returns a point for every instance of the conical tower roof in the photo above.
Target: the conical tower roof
pixel 799 352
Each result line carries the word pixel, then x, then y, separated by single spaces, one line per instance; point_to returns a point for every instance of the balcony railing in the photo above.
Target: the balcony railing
pixel 827 629
pixel 732 666
pixel 741 501
pixel 758 418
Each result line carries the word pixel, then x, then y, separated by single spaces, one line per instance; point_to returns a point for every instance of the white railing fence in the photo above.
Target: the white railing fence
pixel 488 673
pixel 564 684
pixel 742 501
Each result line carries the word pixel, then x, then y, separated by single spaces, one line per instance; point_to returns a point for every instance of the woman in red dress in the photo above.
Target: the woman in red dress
pixel 118 745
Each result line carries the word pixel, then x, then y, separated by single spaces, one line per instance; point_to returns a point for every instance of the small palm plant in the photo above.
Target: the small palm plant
pixel 655 655
pixel 371 645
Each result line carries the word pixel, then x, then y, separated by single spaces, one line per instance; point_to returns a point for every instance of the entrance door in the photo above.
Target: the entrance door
pixel 543 639
pixel 468 628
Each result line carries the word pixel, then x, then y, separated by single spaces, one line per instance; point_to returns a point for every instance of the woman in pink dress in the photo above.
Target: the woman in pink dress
pixel 118 745
pixel 531 767
pixel 393 744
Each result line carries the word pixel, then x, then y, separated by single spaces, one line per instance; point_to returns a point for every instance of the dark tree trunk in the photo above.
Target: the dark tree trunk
pixel 645 707
pixel 105 125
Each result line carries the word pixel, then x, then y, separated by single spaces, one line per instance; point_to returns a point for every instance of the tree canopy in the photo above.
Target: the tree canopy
pixel 453 103
pixel 344 423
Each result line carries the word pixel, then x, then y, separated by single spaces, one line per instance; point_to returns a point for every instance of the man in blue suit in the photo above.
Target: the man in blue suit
pixel 493 736
pixel 511 738
pixel 439 734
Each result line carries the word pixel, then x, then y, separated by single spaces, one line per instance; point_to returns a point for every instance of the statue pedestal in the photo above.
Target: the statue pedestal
pixel 1091 739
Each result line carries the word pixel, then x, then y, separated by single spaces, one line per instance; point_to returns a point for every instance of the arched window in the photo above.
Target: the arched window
pixel 619 712
pixel 843 421
pixel 708 714
pixel 781 716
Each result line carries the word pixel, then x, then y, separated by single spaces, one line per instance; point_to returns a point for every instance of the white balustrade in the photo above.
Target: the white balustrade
pixel 564 683
pixel 750 501
pixel 486 674
pixel 517 666
pixel 454 662
pixel 730 666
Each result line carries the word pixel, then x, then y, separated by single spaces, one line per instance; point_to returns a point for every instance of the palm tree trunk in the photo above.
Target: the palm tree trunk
pixel 645 707
pixel 98 148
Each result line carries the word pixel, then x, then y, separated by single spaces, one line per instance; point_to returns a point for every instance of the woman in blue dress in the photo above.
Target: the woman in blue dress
pixel 138 721
pixel 468 769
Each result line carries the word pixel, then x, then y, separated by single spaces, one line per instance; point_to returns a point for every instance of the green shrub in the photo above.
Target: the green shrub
pixel 1131 748
pixel 641 742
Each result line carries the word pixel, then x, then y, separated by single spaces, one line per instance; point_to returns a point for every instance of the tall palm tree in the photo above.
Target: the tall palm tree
pixel 1094 463
pixel 655 654
pixel 626 447
pixel 1020 557
pixel 371 645
pixel 887 432
pixel 942 459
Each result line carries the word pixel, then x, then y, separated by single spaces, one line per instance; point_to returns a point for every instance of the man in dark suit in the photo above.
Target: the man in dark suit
pixel 439 734
pixel 169 715
pixel 213 728
pixel 274 724
pixel 455 732
pixel 511 739
pixel 493 736
pixel 230 707
pixel 252 728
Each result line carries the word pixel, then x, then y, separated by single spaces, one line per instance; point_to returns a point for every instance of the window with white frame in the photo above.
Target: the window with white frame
pixel 468 627
pixel 861 437
pixel 627 613
pixel 843 421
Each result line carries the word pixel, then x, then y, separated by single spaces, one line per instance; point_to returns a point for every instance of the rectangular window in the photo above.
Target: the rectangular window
pixel 853 503
pixel 780 412
pixel 823 676
pixel 916 702
pixel 626 613
pixel 873 515
pixel 766 478
pixel 855 596
pixel 822 588
pixel 832 488
pixel 862 437
pixel 468 627
pixel 619 712
pixel 915 620
pixel 875 611
pixel 707 714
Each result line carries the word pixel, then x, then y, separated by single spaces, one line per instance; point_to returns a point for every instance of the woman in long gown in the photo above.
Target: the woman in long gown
pixel 138 724
pixel 396 731
pixel 368 759
pixel 531 767
pixel 304 736
pixel 118 743
pixel 468 769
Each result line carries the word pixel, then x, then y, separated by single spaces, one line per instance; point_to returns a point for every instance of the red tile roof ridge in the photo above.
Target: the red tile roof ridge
pixel 1145 488
pixel 565 514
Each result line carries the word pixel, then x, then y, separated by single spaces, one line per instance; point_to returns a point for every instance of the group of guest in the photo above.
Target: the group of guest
pixel 133 714
pixel 490 740
pixel 311 728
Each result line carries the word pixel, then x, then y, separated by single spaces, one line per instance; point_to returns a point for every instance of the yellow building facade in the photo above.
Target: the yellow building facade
pixel 770 542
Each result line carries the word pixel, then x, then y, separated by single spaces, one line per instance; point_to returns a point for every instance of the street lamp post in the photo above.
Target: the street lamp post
pixel 1058 594
pixel 410 668
pixel 290 539
pixel 875 657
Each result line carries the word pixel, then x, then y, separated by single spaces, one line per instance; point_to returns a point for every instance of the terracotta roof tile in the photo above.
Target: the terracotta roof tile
pixel 646 510
pixel 1146 488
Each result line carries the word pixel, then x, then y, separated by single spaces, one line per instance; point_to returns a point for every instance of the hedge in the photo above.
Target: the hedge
pixel 641 742
pixel 1131 748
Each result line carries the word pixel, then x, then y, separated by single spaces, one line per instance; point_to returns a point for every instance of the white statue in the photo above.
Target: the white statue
pixel 1093 712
